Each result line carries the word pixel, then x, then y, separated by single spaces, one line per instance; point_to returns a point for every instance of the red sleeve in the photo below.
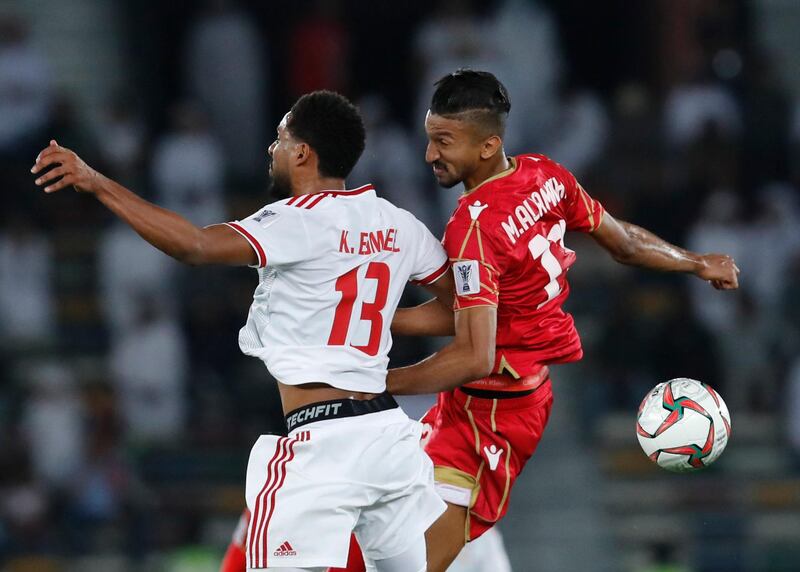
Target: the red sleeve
pixel 476 263
pixel 583 212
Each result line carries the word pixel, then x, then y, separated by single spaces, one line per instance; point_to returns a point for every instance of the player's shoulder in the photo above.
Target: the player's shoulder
pixel 540 162
pixel 482 211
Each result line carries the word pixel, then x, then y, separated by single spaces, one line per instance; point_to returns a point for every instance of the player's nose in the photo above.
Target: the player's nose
pixel 271 148
pixel 431 153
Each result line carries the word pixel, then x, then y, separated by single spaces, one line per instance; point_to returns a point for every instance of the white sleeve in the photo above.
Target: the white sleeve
pixel 431 262
pixel 278 235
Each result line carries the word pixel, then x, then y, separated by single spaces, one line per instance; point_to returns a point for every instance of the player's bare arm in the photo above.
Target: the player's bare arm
pixel 434 317
pixel 164 229
pixel 636 246
pixel 468 357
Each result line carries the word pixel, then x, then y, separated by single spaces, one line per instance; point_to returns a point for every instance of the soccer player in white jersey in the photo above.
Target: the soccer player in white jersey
pixel 332 264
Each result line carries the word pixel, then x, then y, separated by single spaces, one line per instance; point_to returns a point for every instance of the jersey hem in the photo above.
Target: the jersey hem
pixel 434 276
pixel 254 244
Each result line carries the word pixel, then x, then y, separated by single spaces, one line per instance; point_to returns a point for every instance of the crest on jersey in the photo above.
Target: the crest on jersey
pixel 467 277
pixel 475 209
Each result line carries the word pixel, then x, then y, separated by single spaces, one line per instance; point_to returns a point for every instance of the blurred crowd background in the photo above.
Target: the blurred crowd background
pixel 126 409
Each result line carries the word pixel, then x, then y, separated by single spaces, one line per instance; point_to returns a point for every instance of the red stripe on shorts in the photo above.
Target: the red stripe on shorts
pixel 282 469
pixel 256 521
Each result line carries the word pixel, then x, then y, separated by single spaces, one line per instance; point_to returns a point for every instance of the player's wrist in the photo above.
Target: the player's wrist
pixel 699 265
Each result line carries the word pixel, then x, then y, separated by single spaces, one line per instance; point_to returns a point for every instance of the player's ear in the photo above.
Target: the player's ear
pixel 491 147
pixel 302 153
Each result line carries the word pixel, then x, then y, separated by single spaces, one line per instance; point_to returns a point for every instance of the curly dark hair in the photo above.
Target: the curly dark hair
pixel 333 127
pixel 472 95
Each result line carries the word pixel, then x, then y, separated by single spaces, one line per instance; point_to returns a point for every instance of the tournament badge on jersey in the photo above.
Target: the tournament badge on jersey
pixel 467 277
pixel 266 217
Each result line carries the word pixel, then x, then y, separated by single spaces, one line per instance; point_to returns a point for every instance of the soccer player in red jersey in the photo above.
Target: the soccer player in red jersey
pixel 506 244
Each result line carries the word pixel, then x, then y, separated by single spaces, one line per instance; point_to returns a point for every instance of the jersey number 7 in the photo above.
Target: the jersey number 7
pixel 347 284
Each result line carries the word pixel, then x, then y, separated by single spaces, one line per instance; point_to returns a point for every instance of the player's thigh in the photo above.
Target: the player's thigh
pixel 446 537
pixel 408 503
pixel 412 560
pixel 315 569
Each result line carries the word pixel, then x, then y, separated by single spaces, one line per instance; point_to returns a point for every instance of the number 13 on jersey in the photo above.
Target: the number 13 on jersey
pixel 347 284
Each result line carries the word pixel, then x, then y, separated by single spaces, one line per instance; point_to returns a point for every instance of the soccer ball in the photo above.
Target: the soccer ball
pixel 683 425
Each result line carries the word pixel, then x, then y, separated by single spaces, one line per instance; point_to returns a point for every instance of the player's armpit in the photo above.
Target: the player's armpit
pixel 434 317
pixel 468 357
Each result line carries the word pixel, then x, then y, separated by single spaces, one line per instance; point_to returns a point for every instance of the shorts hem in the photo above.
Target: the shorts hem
pixel 430 518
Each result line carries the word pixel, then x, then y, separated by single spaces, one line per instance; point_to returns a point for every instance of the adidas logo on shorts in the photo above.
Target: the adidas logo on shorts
pixel 285 549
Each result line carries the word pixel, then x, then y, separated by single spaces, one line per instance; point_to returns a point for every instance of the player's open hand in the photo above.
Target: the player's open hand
pixel 720 270
pixel 71 168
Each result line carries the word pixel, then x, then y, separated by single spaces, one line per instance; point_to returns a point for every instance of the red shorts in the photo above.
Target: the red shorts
pixel 479 446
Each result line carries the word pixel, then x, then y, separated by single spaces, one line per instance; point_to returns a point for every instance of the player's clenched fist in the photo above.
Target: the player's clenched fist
pixel 720 270
pixel 68 166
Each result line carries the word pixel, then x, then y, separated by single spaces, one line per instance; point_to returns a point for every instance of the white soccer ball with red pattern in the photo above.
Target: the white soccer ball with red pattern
pixel 683 425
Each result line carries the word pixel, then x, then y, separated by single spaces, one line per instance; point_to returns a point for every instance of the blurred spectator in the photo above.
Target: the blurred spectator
pixel 767 123
pixel 26 293
pixel 773 240
pixel 106 490
pixel 25 506
pixel 693 105
pixel 391 163
pixel 127 265
pixel 25 90
pixel 746 344
pixel 227 70
pixel 789 309
pixel 53 424
pixel 529 62
pixel 149 366
pixel 717 230
pixel 122 138
pixel 453 37
pixel 792 406
pixel 580 132
pixel 319 53
pixel 188 168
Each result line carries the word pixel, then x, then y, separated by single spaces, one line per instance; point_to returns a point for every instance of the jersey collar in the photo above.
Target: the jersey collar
pixel 349 193
pixel 510 171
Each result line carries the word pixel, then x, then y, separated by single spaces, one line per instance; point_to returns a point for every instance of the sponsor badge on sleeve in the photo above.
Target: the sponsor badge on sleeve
pixel 468 280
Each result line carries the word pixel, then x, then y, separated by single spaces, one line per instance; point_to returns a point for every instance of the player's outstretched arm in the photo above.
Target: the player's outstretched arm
pixel 164 229
pixel 468 357
pixel 434 317
pixel 636 246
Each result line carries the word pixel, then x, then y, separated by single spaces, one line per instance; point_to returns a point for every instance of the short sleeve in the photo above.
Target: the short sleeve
pixel 278 235
pixel 583 212
pixel 476 261
pixel 431 261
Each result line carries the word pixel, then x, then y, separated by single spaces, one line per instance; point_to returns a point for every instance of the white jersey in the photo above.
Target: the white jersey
pixel 332 268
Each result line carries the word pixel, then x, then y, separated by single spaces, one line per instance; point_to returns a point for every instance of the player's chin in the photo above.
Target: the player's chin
pixel 446 180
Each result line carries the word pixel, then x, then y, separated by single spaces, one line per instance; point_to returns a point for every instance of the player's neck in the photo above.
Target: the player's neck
pixel 488 170
pixel 317 185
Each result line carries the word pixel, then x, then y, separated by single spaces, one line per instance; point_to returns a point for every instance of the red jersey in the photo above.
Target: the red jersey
pixel 506 242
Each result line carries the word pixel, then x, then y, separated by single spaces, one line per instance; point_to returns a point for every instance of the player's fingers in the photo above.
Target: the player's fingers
pixel 52 174
pixel 65 182
pixel 49 150
pixel 46 160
